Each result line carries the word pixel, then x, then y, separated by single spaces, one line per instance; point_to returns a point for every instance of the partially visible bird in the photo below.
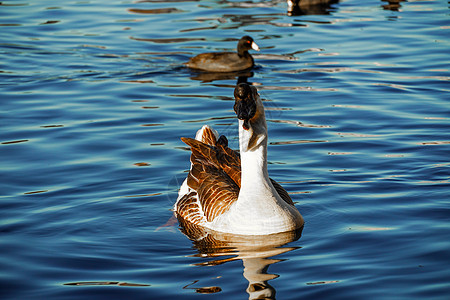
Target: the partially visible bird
pixel 226 61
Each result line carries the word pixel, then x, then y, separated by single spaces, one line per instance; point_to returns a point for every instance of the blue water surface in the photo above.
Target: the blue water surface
pixel 94 97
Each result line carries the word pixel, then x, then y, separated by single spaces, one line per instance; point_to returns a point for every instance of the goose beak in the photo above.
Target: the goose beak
pixel 245 125
pixel 244 112
pixel 255 46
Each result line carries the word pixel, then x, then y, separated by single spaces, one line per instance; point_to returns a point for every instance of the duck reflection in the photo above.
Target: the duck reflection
pixel 256 253
pixel 393 5
pixel 310 7
pixel 203 76
pixel 294 8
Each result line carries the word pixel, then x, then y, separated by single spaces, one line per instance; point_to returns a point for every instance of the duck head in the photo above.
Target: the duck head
pixel 246 43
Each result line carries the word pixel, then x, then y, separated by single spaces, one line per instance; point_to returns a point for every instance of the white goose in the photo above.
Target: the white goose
pixel 229 193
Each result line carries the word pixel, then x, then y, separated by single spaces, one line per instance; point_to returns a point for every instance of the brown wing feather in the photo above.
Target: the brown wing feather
pixel 221 157
pixel 230 162
pixel 189 209
pixel 216 189
pixel 216 193
pixel 208 136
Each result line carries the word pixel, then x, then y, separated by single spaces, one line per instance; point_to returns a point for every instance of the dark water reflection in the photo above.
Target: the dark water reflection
pixel 240 76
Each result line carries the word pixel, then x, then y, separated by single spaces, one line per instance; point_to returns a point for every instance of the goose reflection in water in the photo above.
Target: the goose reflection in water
pixel 256 253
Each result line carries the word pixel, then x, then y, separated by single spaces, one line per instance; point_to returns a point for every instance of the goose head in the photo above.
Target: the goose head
pixel 250 112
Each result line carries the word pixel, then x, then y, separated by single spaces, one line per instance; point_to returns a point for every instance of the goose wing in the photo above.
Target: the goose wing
pixel 215 176
pixel 189 210
pixel 215 189
pixel 282 192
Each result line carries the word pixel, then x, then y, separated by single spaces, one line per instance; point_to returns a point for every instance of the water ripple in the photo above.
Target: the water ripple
pixel 95 96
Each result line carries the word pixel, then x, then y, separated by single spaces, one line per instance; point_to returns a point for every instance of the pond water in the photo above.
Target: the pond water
pixel 94 98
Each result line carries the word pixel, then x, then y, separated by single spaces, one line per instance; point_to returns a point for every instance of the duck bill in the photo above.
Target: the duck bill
pixel 255 46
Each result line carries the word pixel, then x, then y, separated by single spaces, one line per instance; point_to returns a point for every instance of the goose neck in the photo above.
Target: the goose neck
pixel 253 148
